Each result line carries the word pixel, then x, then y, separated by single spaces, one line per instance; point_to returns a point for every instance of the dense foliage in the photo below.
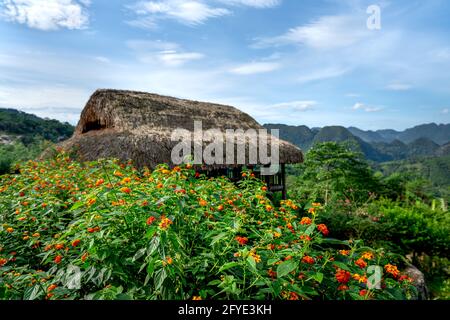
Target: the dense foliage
pixel 401 211
pixel 30 127
pixel 172 234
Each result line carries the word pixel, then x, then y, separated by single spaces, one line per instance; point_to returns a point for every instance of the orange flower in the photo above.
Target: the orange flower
pixel 244 175
pixel 125 190
pixel 269 208
pixel 323 228
pixel 202 203
pixel 242 240
pixel 99 182
pixel 90 202
pixel 264 188
pixel 76 242
pixel 255 256
pixel 52 287
pixel 316 204
pixel 176 169
pixel 220 208
pixel 169 260
pixel 343 287
pixel 3 261
pixel 159 185
pixel 150 220
pixel 367 255
pixel 363 292
pixel 312 210
pixel 22 218
pixel 196 298
pixel 165 223
pixel 306 220
pixel 344 252
pixel 58 259
pixel 36 235
pixel 59 246
pixel 342 276
pixel 118 173
pixel 44 205
pixel 361 263
pixel 308 260
pixel 84 256
pixel 126 180
pixel 10 230
pixel 389 268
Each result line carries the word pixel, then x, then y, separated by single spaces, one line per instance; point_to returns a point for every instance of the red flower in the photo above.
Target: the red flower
pixel 125 190
pixel 323 228
pixel 361 263
pixel 150 220
pixel 76 242
pixel 305 237
pixel 84 256
pixel 342 276
pixel 3 261
pixel 21 194
pixel 242 240
pixel 363 292
pixel 343 287
pixel 308 260
pixel 57 259
pixel 293 296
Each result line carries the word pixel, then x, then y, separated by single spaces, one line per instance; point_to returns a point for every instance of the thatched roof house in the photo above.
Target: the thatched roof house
pixel 138 126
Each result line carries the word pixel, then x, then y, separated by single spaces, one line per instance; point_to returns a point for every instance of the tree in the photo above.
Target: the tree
pixel 333 171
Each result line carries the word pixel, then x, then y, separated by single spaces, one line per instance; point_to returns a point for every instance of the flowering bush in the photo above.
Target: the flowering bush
pixel 104 230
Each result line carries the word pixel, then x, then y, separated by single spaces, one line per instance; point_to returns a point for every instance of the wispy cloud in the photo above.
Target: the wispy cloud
pixel 255 68
pixel 253 3
pixel 399 87
pixel 322 74
pixel 366 108
pixel 167 53
pixel 327 32
pixel 46 15
pixel 445 111
pixel 190 12
pixel 303 105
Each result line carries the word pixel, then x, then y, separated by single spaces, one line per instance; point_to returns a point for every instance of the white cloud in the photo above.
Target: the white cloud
pixel 253 3
pixel 304 105
pixel 445 111
pixel 399 87
pixel 102 59
pixel 322 74
pixel 46 15
pixel 190 12
pixel 327 32
pixel 255 68
pixel 167 53
pixel 366 108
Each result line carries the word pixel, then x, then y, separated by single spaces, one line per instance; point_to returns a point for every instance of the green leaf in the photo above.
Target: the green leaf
pixel 318 277
pixel 310 229
pixel 251 262
pixel 219 237
pixel 138 254
pixel 285 268
pixel 154 243
pixel 341 265
pixel 228 265
pixel 32 293
pixel 160 276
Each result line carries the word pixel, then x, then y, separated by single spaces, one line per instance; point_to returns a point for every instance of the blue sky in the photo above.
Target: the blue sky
pixel 282 61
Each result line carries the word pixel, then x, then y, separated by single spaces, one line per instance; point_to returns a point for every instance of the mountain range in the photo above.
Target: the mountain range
pixel 381 145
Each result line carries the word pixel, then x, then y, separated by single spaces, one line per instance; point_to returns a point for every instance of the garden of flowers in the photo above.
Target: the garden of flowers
pixel 106 230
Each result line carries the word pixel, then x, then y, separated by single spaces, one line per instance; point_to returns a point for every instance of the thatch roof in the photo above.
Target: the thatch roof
pixel 138 126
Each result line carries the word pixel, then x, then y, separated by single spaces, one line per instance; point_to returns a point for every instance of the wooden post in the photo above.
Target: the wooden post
pixel 283 180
